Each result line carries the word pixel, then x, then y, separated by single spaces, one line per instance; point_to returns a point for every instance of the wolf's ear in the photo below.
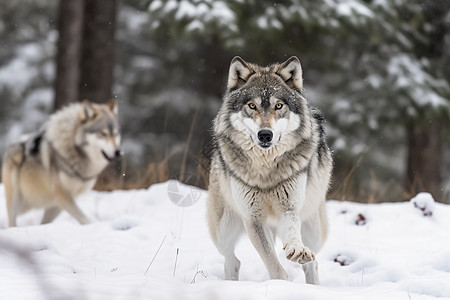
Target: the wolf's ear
pixel 238 74
pixel 291 72
pixel 87 111
pixel 112 105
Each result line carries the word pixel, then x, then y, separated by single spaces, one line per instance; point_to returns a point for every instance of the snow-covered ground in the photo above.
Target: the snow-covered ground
pixel 143 246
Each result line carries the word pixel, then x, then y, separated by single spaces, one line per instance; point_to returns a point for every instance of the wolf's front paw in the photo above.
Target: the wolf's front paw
pixel 296 252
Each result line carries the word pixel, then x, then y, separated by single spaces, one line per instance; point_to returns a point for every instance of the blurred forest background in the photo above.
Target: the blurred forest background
pixel 378 69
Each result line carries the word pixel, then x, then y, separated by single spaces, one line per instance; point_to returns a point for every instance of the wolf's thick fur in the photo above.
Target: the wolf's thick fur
pixel 270 168
pixel 49 169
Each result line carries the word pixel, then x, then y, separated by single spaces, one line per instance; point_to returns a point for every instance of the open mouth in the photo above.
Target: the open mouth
pixel 106 156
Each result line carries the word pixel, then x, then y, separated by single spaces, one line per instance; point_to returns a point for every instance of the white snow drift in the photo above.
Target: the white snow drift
pixel 143 246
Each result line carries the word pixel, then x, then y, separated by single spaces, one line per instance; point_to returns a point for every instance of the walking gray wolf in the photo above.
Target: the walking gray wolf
pixel 50 168
pixel 270 169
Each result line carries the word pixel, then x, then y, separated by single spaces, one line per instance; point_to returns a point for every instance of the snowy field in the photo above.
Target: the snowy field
pixel 142 246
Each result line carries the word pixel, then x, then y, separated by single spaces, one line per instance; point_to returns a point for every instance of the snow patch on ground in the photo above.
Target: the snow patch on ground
pixel 143 246
pixel 423 202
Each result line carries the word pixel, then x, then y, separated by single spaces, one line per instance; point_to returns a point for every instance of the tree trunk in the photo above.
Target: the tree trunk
pixel 424 159
pixel 70 21
pixel 97 51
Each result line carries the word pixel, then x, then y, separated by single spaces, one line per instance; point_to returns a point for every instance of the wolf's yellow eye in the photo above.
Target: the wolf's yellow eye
pixel 252 105
pixel 279 105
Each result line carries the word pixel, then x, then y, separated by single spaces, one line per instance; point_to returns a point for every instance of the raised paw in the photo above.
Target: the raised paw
pixel 296 252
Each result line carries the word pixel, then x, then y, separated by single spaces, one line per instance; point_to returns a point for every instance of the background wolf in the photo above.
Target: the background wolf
pixel 52 167
pixel 270 168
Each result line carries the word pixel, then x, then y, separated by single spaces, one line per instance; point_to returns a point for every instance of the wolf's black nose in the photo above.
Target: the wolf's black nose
pixel 118 153
pixel 265 136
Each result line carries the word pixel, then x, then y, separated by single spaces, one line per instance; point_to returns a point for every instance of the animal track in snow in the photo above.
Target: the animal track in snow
pixel 423 202
pixel 361 220
pixel 343 259
pixel 124 223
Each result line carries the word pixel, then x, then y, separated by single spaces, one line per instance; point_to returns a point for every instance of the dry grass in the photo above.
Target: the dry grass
pixel 346 186
pixel 122 176
pixel 345 183
pixel 377 190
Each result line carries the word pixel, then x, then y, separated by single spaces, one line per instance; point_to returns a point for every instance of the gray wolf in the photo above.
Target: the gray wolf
pixel 50 168
pixel 270 169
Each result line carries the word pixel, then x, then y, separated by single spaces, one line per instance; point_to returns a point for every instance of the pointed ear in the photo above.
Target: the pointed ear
pixel 291 72
pixel 87 111
pixel 238 74
pixel 112 105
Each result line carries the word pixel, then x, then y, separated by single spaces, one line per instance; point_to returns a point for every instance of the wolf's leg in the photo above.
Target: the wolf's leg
pixel 289 228
pixel 225 228
pixel 50 214
pixel 66 202
pixel 12 193
pixel 14 202
pixel 311 270
pixel 314 232
pixel 14 207
pixel 311 234
pixel 261 238
pixel 290 224
pixel 273 229
pixel 229 229
pixel 10 202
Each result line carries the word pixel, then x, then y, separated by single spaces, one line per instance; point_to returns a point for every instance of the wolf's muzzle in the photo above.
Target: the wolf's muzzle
pixel 265 137
pixel 118 153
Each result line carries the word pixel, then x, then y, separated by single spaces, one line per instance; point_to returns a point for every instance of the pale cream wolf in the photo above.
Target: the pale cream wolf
pixel 270 169
pixel 51 168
